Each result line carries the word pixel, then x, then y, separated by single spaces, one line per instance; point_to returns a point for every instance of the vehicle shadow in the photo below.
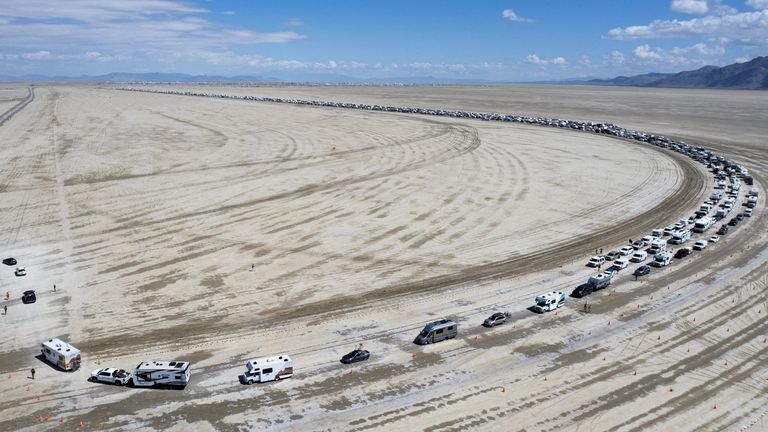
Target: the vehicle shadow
pixel 40 357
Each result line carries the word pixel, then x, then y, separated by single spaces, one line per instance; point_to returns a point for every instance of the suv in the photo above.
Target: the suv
pixel 733 222
pixel 682 253
pixel 20 271
pixel 642 271
pixel 28 297
pixel 9 261
pixel 496 319
pixel 723 230
pixel 582 290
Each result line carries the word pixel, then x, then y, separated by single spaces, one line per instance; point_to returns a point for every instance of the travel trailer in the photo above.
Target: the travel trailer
pixel 600 281
pixel 549 301
pixel 267 369
pixel 162 374
pixel 61 354
pixel 437 331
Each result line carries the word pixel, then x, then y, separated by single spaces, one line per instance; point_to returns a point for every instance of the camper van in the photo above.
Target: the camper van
pixel 549 301
pixel 703 224
pixel 162 374
pixel 61 354
pixel 267 369
pixel 437 331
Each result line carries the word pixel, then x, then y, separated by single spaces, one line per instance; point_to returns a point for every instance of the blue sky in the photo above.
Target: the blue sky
pixel 514 40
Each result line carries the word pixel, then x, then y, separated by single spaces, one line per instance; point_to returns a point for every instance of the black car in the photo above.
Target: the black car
pixel 28 297
pixel 356 356
pixel 733 222
pixel 582 290
pixel 723 230
pixel 740 217
pixel 682 253
pixel 9 261
pixel 642 271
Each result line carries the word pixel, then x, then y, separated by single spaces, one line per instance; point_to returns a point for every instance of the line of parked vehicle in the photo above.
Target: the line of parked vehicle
pixel 178 373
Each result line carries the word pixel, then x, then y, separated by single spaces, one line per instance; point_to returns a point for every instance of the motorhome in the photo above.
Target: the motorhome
pixel 705 208
pixel 61 354
pixel 751 201
pixel 267 369
pixel 437 331
pixel 716 196
pixel 703 224
pixel 661 259
pixel 162 374
pixel 549 301
pixel 680 237
pixel 722 213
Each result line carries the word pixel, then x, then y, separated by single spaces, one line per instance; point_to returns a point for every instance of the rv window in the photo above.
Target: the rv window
pixel 439 331
pixel 61 357
pixel 450 328
pixel 267 371
pixel 177 377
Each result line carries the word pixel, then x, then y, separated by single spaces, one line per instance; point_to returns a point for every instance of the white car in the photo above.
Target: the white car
pixel 626 250
pixel 620 264
pixel 639 256
pixel 20 271
pixel 748 212
pixel 596 260
pixel 714 239
pixel 110 376
pixel 657 232
pixel 700 245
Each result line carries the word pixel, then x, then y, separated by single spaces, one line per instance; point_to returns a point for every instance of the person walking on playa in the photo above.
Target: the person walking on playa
pixel 5 309
pixel 33 373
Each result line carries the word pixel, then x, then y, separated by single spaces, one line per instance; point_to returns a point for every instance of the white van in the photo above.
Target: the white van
pixel 61 354
pixel 639 256
pixel 267 369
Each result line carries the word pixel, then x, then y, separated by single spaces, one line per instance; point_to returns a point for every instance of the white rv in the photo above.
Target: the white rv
pixel 267 369
pixel 661 259
pixel 61 354
pixel 549 301
pixel 680 237
pixel 162 374
pixel 703 224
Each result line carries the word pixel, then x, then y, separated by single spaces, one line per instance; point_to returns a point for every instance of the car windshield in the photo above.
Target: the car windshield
pixel 541 302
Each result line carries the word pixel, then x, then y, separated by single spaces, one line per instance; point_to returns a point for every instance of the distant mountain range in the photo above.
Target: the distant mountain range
pixel 749 75
pixel 752 75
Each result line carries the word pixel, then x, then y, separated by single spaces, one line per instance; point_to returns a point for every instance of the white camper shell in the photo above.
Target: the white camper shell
pixel 61 354
pixel 549 301
pixel 267 369
pixel 162 374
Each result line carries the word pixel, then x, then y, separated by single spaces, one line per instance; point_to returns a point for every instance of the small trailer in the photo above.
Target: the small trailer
pixel 549 301
pixel 267 369
pixel 174 374
pixel 61 354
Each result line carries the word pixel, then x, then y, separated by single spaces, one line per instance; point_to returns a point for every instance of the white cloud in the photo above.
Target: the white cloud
pixel 644 52
pixel 690 6
pixel 295 22
pixel 40 55
pixel 229 13
pixel 584 60
pixel 510 15
pixel 741 59
pixel 616 57
pixel 747 28
pixel 534 59
pixel 758 4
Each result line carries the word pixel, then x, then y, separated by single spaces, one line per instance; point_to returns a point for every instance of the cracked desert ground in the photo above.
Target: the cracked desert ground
pixel 216 231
